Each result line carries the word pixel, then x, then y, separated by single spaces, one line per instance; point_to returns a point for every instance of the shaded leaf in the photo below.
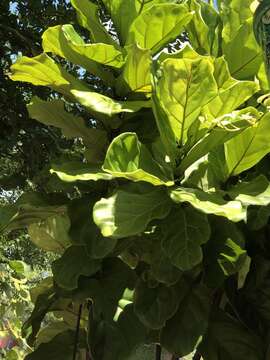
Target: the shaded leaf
pixel 183 234
pixel 64 41
pixel 68 269
pixel 227 339
pixel 184 331
pixel 154 306
pixel 84 231
pixel 224 253
pixel 115 217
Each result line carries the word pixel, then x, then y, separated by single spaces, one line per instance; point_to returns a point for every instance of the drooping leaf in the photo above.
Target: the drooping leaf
pixel 183 332
pixel 44 71
pixel 115 217
pixel 88 17
pixel 224 252
pixel 248 148
pixel 127 157
pixel 30 208
pixel 184 231
pixel 68 269
pixel 64 41
pixel 51 234
pixel 154 306
pixel 101 104
pixel 210 203
pixel 183 87
pixel 203 27
pixel 158 25
pixel 228 339
pixel 53 113
pixel 75 170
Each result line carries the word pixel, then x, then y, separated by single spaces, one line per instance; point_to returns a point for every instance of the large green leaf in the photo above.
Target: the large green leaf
pixel 127 157
pixel 239 46
pixel 68 269
pixel 53 113
pixel 184 231
pixel 184 331
pixel 115 217
pixel 88 17
pixel 224 253
pixel 157 26
pixel 136 72
pixel 203 27
pixel 210 203
pixel 154 306
pixel 248 148
pixel 44 71
pixel 255 192
pixel 51 234
pixel 75 170
pixel 225 128
pixel 64 41
pixel 182 88
pixel 227 339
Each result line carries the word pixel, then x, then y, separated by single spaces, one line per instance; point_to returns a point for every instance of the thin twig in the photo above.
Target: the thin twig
pixel 75 349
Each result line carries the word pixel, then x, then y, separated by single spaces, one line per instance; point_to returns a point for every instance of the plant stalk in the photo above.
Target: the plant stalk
pixel 76 340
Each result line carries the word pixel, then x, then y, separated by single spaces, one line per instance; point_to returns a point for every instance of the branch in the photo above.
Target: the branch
pixel 77 333
pixel 24 39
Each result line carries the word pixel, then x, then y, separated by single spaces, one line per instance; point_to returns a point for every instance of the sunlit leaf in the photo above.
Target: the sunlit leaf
pixel 127 157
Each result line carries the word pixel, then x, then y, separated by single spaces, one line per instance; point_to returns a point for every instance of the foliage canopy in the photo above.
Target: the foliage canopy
pixel 165 240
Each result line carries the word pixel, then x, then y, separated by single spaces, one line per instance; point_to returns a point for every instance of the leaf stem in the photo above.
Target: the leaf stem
pixel 76 340
pixel 197 356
